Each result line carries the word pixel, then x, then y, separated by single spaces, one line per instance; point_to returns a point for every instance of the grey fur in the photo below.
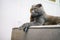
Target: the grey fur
pixel 40 18
pixel 37 13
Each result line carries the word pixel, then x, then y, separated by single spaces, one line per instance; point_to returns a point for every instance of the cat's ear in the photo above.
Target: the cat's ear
pixel 39 5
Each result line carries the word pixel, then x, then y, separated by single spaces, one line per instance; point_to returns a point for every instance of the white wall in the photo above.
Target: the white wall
pixel 13 13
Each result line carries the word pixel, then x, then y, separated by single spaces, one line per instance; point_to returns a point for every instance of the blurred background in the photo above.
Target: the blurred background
pixel 14 13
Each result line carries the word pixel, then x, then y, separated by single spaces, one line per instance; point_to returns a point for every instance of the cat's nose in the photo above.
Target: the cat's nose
pixel 32 11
